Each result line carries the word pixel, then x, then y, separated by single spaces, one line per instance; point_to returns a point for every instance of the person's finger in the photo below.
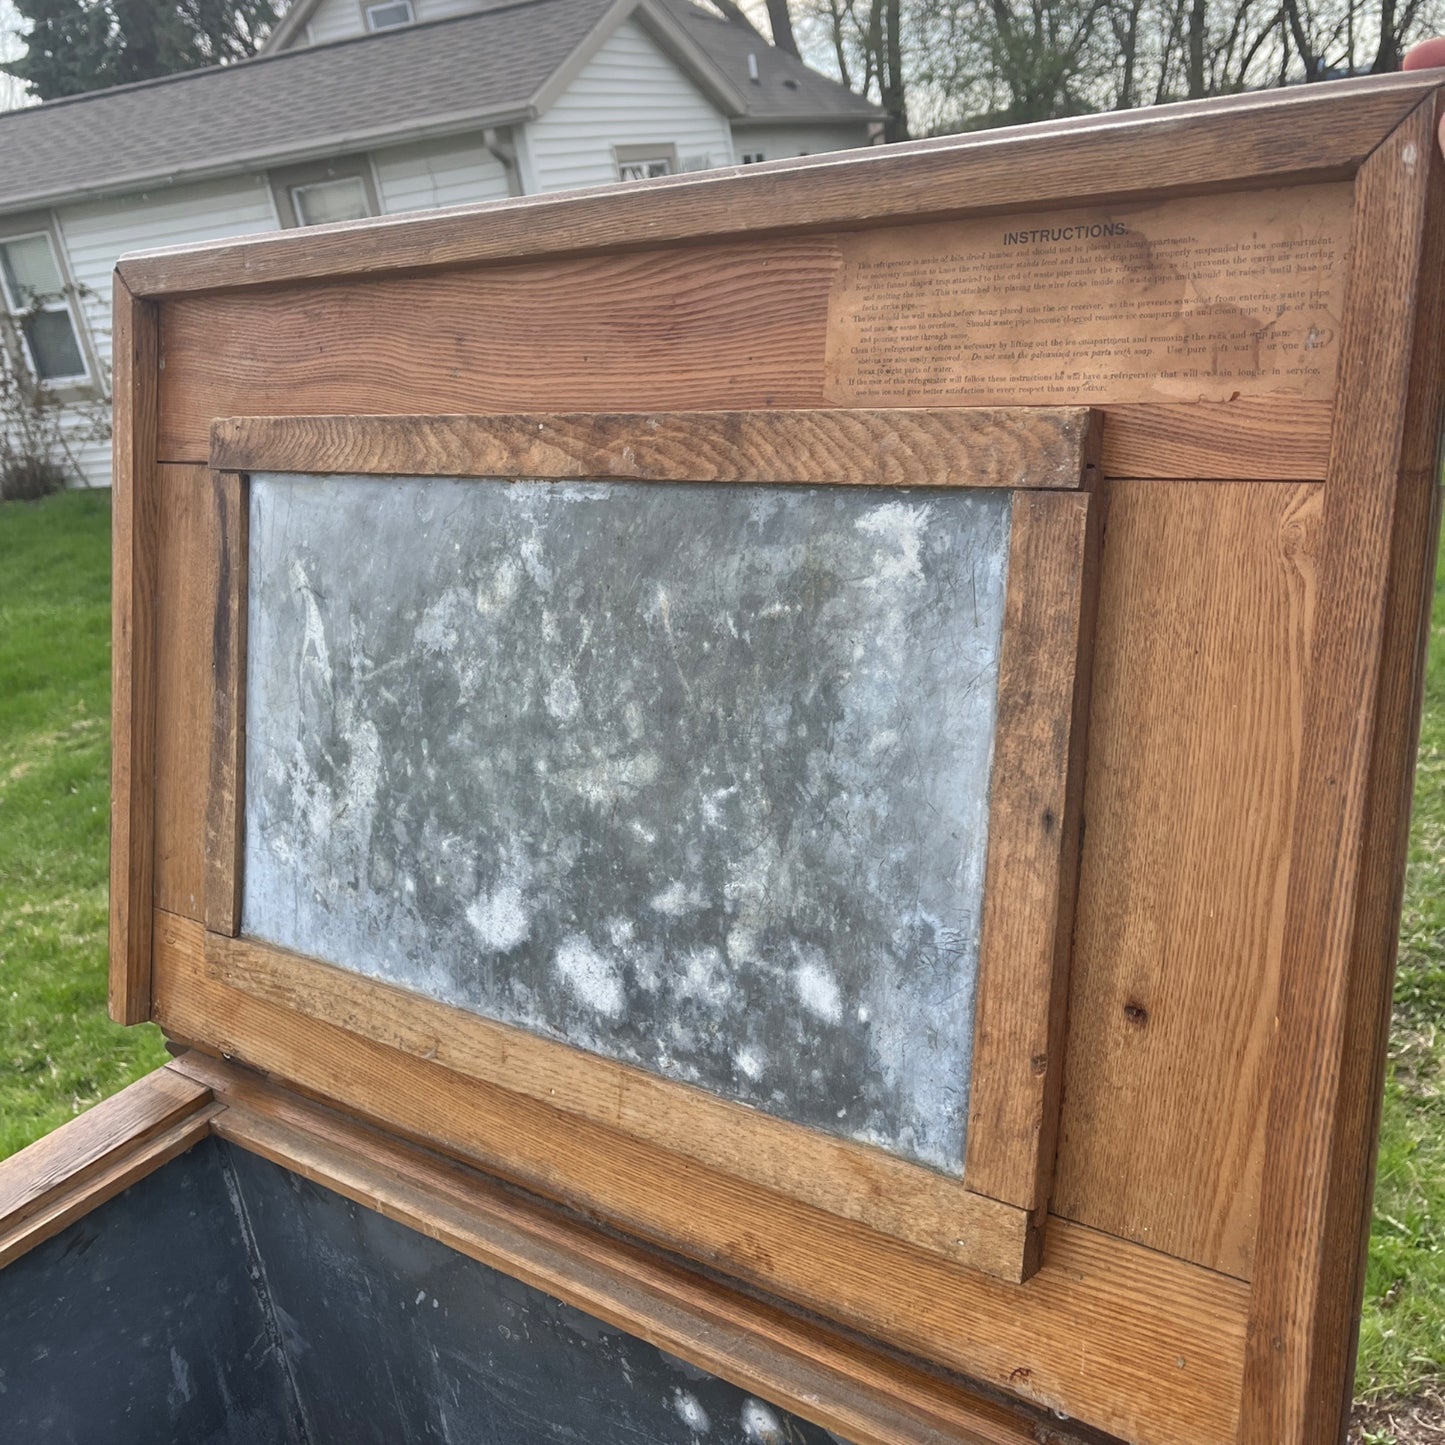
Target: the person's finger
pixel 1426 55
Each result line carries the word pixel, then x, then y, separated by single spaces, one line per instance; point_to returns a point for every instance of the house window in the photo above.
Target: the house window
pixel 752 158
pixel 388 14
pixel 35 298
pixel 336 190
pixel 644 170
pixel 642 163
pixel 340 200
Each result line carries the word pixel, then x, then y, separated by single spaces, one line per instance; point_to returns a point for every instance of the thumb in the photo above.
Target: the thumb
pixel 1426 56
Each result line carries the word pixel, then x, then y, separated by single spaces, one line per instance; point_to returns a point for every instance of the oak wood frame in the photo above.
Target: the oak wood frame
pixel 94 1157
pixel 1371 451
pixel 828 1376
pixel 1037 774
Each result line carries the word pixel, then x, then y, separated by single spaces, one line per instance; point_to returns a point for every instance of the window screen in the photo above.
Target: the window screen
pixel 388 15
pixel 34 294
pixel 339 200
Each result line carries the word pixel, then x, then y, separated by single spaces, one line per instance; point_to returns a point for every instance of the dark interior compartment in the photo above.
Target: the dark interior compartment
pixel 226 1300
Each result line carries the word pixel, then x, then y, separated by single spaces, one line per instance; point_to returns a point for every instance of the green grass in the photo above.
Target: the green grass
pixel 1402 1334
pixel 59 1053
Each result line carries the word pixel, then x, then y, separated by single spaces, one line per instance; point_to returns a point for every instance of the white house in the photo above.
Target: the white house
pixel 371 107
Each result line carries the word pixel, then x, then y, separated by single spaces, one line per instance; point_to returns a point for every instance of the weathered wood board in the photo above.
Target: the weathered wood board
pixel 544 750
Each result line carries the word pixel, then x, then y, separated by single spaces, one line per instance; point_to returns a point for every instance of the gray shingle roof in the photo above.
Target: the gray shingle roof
pixel 785 89
pixel 478 68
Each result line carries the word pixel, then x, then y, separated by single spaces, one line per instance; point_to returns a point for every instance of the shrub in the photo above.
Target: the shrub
pixel 27 478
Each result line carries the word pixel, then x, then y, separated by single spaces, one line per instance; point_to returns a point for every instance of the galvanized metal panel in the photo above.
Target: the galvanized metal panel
pixel 694 777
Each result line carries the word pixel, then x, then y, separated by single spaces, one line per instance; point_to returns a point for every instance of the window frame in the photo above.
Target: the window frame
pixel 78 386
pixel 286 180
pixel 367 6
pixel 646 154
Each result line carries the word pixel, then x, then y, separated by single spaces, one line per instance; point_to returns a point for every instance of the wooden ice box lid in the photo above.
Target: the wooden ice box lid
pixel 849 722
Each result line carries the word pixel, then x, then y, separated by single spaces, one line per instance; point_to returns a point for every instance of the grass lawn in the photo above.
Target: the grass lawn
pixel 1402 1335
pixel 59 1053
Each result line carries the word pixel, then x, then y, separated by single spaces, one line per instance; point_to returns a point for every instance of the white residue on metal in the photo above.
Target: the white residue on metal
pixel 181 1389
pixel 712 805
pixel 495 592
pixel 314 641
pixel 563 699
pixel 440 627
pixel 501 916
pixel 592 977
pixel 704 976
pixel 690 1412
pixel 750 1061
pixel 817 988
pixel 530 549
pixel 609 780
pixel 761 1425
pixel 901 526
pixel 678 899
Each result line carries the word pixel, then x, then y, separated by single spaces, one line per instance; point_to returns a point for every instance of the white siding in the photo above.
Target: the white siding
pixel 438 173
pixel 335 20
pixel 628 94
pixel 339 19
pixel 96 234
pixel 779 142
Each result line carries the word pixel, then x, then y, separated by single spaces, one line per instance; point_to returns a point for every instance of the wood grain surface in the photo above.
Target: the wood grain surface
pixel 92 1158
pixel 1136 1343
pixel 1039 447
pixel 225 805
pixel 1033 834
pixel 1361 721
pixel 187 596
pixel 720 333
pixel 710 327
pixel 134 548
pixel 1207 599
pixel 854 1181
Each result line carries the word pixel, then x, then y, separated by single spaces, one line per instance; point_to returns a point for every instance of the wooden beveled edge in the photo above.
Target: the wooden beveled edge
pixel 891 1196
pixel 135 526
pixel 1307 133
pixel 92 1158
pixel 1036 798
pixel 1045 447
pixel 1361 712
pixel 1119 1335
pixel 839 1381
pixel 225 800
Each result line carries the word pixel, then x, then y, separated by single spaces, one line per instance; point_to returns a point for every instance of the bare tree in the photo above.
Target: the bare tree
pixel 12 46
pixel 780 22
pixel 943 65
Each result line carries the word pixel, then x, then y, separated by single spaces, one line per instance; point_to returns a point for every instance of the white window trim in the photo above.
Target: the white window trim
pixel 664 153
pixel 298 205
pixel 82 381
pixel 294 178
pixel 367 6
